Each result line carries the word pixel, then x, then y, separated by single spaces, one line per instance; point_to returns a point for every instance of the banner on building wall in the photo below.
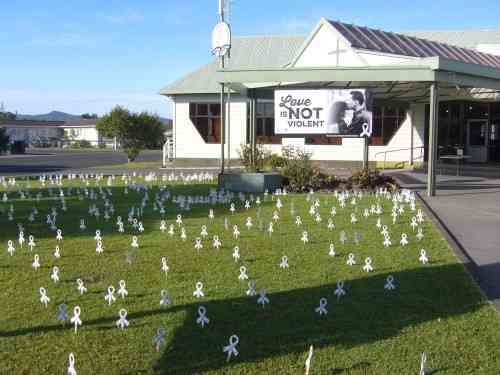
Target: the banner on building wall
pixel 345 113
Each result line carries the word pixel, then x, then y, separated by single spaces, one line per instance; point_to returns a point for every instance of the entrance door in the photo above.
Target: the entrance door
pixel 477 140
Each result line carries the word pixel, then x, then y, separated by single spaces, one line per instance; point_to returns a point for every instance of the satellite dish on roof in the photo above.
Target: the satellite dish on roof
pixel 221 39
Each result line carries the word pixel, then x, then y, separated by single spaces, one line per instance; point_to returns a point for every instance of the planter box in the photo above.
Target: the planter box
pixel 251 182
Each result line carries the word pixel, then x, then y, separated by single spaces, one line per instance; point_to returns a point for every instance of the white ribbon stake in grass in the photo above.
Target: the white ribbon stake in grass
pixel 122 323
pixel 339 292
pixel 75 319
pixel 321 309
pixel 390 283
pixel 71 366
pixel 202 316
pixel 231 348
pixel 43 296
pixel 309 360
pixel 423 257
pixel 198 293
pixel 110 296
pixel 122 291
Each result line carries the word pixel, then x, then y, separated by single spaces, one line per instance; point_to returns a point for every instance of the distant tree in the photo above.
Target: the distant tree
pixel 134 131
pixel 89 115
pixel 4 140
pixel 7 116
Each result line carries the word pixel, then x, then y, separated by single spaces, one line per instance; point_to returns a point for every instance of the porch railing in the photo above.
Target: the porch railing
pixel 413 158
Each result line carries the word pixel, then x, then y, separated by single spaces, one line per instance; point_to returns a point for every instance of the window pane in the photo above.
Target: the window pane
pixel 390 126
pixel 269 126
pixel 214 130
pixel 477 133
pixel 260 109
pixel 455 110
pixel 192 110
pixel 495 109
pixel 269 110
pixel 377 127
pixel 444 110
pixel 476 110
pixel 390 111
pixel 202 109
pixel 260 126
pixel 201 124
pixel 215 110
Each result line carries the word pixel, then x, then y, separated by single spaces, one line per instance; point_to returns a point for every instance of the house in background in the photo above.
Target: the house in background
pixel 36 133
pixel 45 133
pixel 81 129
pixel 469 118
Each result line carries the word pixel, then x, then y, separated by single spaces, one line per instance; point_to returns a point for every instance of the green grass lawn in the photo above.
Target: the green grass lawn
pixel 435 308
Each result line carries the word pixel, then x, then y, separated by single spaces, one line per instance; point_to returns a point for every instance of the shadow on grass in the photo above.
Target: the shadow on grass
pixel 289 324
pixel 367 314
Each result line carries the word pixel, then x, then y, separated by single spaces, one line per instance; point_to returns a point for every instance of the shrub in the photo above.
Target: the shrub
pixel 18 147
pixel 297 168
pixel 371 179
pixel 245 154
pixel 275 161
pixel 82 144
pixel 4 140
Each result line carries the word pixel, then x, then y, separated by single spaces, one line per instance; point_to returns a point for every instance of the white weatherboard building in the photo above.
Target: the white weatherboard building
pixel 444 83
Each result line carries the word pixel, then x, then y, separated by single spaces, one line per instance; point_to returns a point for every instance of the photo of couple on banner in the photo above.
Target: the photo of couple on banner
pixel 349 113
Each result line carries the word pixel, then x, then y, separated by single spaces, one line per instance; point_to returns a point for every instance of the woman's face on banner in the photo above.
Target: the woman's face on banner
pixel 348 116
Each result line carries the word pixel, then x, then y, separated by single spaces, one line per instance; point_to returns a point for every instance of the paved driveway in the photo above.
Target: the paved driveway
pixel 56 161
pixel 469 209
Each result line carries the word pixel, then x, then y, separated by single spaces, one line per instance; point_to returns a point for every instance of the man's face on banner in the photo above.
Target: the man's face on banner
pixel 356 105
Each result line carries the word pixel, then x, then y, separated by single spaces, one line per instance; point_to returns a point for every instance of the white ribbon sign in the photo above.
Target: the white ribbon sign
pixel 262 300
pixel 165 298
pixel 122 322
pixel 390 283
pixel 71 366
pixel 321 309
pixel 122 291
pixel 75 319
pixel 339 292
pixel 43 296
pixel 231 348
pixel 110 296
pixel 202 316
pixel 368 265
pixel 284 262
pixel 423 257
pixel 198 293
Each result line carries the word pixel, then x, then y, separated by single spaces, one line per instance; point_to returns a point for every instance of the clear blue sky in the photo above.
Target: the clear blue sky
pixel 89 55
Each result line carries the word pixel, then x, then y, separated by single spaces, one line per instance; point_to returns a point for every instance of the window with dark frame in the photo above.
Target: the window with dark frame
pixel 386 121
pixel 206 119
pixel 264 124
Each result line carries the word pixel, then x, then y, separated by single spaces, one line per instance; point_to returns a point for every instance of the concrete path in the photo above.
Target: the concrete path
pixel 468 208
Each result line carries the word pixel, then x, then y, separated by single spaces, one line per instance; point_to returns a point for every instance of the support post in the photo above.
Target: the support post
pixel 251 127
pixel 222 127
pixel 366 142
pixel 433 139
pixel 228 116
pixel 411 116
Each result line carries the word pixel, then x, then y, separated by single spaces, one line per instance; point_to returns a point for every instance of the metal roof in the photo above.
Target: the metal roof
pixel 461 38
pixel 246 52
pixel 278 51
pixel 361 37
